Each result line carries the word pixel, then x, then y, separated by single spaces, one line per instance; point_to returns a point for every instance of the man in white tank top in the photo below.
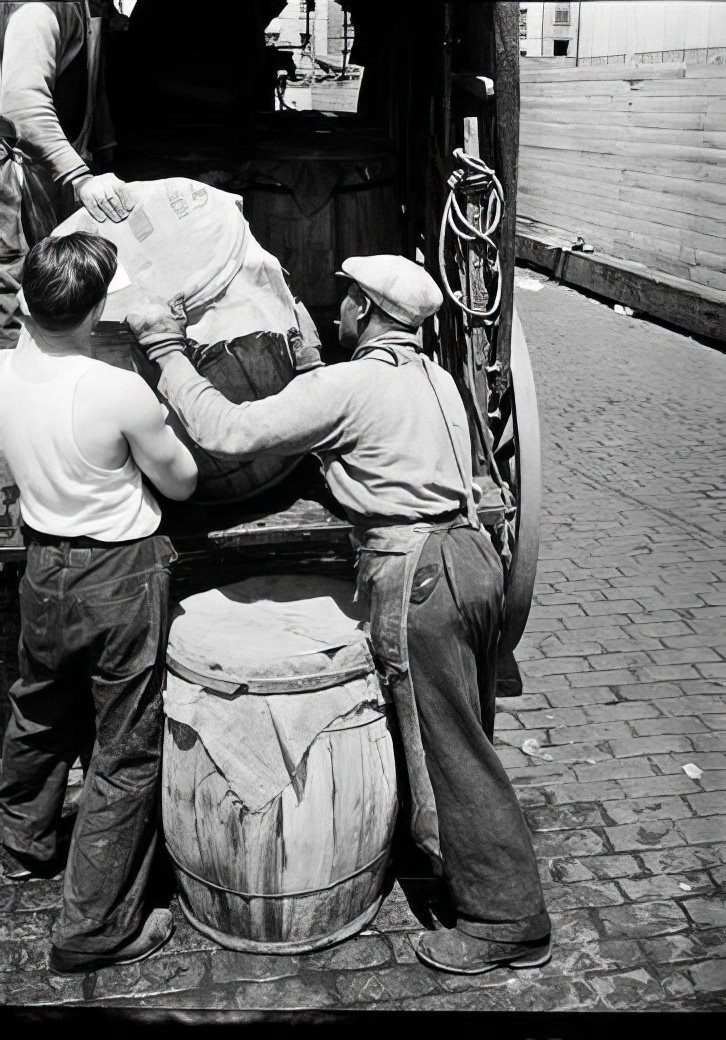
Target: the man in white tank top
pixel 79 436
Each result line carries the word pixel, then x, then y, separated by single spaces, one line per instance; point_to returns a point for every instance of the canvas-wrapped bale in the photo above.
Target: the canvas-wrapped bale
pixel 190 240
pixel 279 787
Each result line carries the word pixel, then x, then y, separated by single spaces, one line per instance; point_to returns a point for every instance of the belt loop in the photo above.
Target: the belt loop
pixel 78 557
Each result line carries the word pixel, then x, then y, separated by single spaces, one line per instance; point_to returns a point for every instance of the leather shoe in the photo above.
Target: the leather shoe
pixel 16 866
pixel 450 949
pixel 157 930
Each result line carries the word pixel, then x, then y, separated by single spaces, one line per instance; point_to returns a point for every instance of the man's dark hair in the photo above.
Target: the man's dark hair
pixel 65 277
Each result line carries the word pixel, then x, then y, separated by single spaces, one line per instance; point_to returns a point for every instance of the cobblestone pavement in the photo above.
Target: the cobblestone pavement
pixel 625 666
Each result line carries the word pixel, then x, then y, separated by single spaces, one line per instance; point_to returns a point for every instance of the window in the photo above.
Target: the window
pixel 523 25
pixel 562 14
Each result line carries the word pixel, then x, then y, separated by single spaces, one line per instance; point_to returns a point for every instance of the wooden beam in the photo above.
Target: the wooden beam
pixel 506 51
pixel 694 308
pixel 594 73
pixel 488 45
pixel 475 332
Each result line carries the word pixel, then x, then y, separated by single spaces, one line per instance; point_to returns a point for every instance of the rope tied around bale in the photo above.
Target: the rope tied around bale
pixel 476 182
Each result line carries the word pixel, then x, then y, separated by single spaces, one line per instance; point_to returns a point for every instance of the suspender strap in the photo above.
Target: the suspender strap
pixel 471 513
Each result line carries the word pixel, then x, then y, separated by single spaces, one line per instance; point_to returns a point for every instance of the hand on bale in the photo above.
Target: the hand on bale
pixel 159 325
pixel 104 196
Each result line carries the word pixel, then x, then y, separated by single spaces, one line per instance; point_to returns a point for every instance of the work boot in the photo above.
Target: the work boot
pixel 157 930
pixel 16 866
pixel 450 949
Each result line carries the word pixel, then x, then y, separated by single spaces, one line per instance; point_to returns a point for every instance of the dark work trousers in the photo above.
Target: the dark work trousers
pixel 454 618
pixel 93 636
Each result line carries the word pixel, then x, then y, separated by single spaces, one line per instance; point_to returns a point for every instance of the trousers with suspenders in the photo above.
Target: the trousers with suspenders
pixel 436 596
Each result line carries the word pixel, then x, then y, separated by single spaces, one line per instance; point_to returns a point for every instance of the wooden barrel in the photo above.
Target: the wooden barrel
pixel 248 368
pixel 360 215
pixel 279 787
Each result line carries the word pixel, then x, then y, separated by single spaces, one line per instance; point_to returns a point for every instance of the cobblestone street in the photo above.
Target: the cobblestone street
pixel 624 661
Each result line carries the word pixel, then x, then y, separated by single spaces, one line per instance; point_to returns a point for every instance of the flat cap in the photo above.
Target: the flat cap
pixel 398 286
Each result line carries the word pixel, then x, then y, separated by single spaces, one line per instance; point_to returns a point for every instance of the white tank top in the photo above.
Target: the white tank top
pixel 61 492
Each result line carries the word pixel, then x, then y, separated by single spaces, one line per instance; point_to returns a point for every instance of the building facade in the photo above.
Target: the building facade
pixel 548 29
pixel 330 29
pixel 612 31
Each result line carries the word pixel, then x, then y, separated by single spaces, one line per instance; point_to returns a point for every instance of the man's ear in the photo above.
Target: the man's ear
pixel 98 310
pixel 356 293
pixel 363 302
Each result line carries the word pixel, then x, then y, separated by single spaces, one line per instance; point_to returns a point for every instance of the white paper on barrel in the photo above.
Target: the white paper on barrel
pixel 258 742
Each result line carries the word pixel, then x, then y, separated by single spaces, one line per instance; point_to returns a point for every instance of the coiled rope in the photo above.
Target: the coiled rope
pixel 473 179
pixel 473 182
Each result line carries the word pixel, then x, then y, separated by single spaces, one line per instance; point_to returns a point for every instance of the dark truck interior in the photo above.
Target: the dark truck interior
pixel 192 92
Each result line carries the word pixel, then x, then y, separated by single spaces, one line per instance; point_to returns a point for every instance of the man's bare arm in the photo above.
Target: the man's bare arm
pixel 155 448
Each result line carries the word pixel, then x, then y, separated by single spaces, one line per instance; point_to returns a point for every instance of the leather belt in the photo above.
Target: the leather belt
pixel 33 537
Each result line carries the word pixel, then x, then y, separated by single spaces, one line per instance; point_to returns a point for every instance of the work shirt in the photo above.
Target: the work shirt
pixel 376 422
pixel 38 44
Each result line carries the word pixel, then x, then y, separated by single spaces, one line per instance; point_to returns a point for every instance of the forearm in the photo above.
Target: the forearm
pixel 210 419
pixel 30 68
pixel 285 424
pixel 39 130
pixel 178 479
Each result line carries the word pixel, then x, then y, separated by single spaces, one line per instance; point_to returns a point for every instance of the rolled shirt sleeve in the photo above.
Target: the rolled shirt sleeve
pixel 307 415
pixel 31 62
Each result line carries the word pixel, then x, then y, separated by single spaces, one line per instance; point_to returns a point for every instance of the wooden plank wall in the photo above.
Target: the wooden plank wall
pixel 633 158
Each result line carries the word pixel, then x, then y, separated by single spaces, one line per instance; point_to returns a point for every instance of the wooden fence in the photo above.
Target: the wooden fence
pixel 633 158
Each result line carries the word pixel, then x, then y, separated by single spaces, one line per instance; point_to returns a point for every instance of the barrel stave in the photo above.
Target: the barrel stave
pixel 183 753
pixel 340 821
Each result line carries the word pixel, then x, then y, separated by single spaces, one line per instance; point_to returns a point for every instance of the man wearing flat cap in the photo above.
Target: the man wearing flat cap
pixel 393 437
